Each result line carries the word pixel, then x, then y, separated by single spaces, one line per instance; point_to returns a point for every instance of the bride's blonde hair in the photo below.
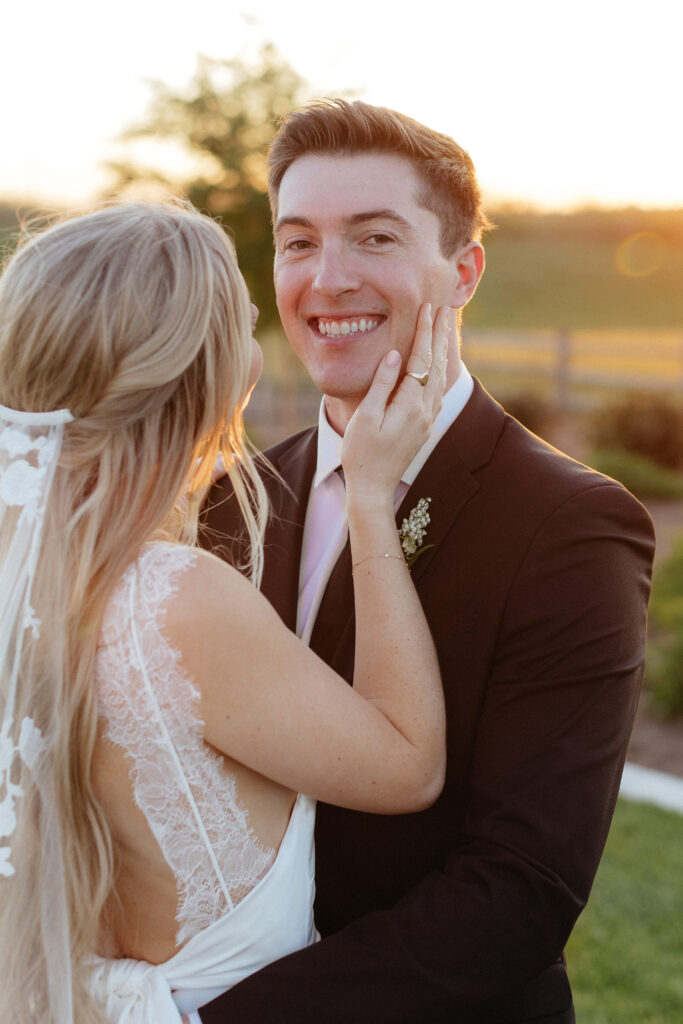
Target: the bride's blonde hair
pixel 137 320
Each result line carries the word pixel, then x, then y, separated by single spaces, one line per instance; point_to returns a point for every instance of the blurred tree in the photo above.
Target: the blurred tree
pixel 224 121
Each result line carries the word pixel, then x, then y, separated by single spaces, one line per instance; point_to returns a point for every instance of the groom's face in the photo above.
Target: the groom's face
pixel 356 255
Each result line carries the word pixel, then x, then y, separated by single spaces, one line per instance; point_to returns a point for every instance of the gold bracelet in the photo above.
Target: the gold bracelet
pixel 367 558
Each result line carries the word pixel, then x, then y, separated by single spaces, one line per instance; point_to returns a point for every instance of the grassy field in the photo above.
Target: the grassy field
pixel 606 269
pixel 626 954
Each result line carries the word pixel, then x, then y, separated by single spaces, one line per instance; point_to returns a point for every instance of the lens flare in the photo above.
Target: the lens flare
pixel 640 255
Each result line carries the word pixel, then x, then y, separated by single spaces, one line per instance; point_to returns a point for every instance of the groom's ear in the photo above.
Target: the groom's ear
pixel 469 266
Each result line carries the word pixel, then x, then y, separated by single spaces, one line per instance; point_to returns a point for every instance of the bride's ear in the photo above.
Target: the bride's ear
pixel 469 262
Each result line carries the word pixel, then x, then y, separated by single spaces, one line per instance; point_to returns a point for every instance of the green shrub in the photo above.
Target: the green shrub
pixel 640 475
pixel 531 409
pixel 664 677
pixel 643 423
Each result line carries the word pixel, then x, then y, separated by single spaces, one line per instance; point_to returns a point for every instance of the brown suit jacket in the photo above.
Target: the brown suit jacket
pixel 536 590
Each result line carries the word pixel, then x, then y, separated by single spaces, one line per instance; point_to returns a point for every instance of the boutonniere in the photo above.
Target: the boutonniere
pixel 414 530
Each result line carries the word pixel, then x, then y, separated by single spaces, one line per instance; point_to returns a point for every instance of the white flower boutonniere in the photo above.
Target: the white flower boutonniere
pixel 414 530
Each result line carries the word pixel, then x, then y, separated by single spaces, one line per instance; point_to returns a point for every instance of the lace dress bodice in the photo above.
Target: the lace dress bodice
pixel 149 706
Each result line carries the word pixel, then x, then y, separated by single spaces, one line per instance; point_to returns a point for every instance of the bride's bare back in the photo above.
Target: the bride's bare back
pixel 164 789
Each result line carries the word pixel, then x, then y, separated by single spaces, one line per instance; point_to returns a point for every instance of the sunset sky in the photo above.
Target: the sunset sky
pixel 559 105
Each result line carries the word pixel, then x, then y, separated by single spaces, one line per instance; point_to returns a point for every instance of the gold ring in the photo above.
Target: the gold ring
pixel 421 378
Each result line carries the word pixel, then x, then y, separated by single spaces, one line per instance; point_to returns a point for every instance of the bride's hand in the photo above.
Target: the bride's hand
pixel 392 423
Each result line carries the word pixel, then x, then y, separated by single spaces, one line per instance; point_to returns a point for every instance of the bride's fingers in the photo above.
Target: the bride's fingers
pixel 383 383
pixel 420 358
pixel 444 326
pixel 219 470
pixel 428 350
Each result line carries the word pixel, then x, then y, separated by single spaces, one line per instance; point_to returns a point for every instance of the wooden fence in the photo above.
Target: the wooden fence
pixel 576 368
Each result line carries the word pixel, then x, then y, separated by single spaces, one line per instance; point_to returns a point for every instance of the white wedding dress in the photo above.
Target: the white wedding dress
pixel 240 906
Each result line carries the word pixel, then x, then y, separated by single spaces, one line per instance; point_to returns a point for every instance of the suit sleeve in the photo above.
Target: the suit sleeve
pixel 554 727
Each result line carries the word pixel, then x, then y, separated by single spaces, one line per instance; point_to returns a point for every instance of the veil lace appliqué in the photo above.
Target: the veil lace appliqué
pixel 150 707
pixel 29 450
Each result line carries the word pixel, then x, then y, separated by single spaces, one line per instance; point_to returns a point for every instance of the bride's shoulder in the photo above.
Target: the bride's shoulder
pixel 187 591
pixel 204 588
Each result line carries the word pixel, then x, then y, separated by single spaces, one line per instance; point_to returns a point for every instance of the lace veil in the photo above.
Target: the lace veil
pixel 30 444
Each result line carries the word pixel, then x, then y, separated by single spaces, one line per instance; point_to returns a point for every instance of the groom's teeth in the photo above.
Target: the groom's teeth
pixel 337 328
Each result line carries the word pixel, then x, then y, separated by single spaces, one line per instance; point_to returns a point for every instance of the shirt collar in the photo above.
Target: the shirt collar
pixel 454 401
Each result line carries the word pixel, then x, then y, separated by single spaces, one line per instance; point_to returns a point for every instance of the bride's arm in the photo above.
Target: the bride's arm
pixel 394 654
pixel 271 703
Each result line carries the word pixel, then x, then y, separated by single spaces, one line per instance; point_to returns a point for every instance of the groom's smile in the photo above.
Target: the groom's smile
pixel 356 256
pixel 350 323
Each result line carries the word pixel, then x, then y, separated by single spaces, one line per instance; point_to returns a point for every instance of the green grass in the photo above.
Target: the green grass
pixel 626 953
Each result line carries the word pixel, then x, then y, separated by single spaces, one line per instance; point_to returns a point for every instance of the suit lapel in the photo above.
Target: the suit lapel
pixel 285 531
pixel 449 479
pixel 335 616
pixel 449 483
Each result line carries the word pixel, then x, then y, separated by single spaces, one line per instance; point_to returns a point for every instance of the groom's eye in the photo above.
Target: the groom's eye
pixel 298 244
pixel 379 238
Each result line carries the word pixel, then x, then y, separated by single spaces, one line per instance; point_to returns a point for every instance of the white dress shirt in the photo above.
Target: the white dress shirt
pixel 326 529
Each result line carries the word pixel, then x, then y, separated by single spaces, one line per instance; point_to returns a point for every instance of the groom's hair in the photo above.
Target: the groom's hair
pixel 449 184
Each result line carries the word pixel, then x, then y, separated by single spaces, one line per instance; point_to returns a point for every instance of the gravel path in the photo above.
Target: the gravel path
pixel 657 744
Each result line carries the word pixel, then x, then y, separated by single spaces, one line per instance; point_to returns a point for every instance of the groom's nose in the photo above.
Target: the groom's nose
pixel 335 272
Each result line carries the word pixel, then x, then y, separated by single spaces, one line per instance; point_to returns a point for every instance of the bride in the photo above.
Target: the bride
pixel 158 719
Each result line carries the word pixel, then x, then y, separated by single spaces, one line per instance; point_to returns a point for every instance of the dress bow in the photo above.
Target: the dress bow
pixel 133 992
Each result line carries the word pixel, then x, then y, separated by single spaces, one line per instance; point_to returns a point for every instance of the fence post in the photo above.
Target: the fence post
pixel 563 370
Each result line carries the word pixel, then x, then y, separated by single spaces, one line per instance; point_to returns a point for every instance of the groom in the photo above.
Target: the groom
pixel 534 576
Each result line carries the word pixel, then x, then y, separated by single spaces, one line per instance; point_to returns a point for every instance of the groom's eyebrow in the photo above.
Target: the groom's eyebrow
pixel 299 222
pixel 383 214
pixel 352 221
